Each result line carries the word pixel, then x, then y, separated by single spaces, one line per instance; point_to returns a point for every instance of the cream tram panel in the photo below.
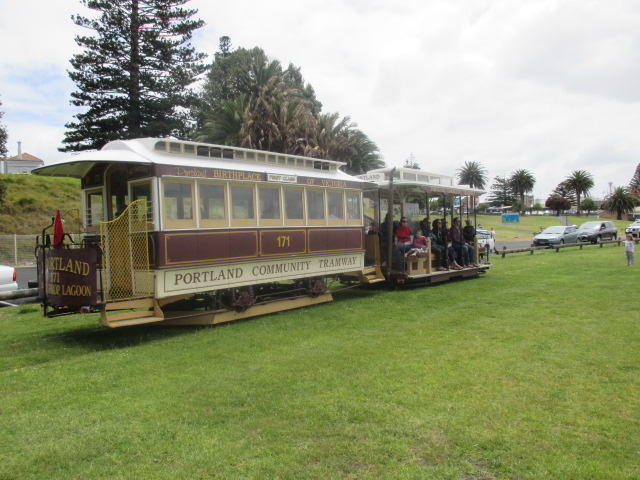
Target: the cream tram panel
pixel 231 275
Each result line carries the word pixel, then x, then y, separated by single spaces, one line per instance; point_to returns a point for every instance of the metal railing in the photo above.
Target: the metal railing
pixel 559 247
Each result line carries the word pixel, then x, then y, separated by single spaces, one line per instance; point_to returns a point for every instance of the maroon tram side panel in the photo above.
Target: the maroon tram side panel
pixel 177 249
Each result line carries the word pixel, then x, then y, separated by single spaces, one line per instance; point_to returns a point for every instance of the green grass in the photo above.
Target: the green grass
pixel 529 372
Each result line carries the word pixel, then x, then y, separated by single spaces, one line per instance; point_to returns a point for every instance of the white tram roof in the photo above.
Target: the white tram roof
pixel 418 179
pixel 166 151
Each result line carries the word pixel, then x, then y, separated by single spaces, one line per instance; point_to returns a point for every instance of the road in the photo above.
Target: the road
pixel 26 275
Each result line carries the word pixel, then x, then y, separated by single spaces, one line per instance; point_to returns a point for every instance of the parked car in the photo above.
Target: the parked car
pixel 486 240
pixel 634 229
pixel 597 231
pixel 8 279
pixel 556 235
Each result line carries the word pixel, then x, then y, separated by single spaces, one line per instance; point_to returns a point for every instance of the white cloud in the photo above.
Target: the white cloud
pixel 548 85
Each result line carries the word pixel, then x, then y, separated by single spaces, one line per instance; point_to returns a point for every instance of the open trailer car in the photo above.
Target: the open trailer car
pixel 405 189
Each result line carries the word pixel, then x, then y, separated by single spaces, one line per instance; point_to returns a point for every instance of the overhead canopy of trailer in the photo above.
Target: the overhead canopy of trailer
pixel 408 180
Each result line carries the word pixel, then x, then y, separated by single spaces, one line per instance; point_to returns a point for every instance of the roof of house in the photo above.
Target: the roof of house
pixel 26 157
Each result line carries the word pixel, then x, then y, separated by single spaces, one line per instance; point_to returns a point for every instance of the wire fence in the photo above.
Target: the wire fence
pixel 17 249
pixel 20 250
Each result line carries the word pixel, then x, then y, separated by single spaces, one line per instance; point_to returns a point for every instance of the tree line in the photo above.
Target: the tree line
pixel 136 74
pixel 510 191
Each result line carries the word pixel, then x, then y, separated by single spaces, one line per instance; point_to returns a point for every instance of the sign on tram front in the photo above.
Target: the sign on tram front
pixel 70 277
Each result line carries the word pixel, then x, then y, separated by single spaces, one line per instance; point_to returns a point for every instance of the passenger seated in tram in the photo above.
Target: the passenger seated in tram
pixel 458 248
pixel 437 243
pixel 404 236
pixel 372 229
pixel 419 245
pixel 468 232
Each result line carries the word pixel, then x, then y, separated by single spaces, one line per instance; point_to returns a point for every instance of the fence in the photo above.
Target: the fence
pixel 17 249
pixel 557 248
pixel 21 249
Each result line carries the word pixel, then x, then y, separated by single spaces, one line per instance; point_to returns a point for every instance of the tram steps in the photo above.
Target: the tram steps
pixel 368 275
pixel 129 318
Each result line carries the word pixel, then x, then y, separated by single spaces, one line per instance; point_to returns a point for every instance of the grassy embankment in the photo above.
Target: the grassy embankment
pixel 529 372
pixel 31 201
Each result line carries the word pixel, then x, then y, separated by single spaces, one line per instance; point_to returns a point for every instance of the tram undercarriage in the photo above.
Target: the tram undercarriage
pixel 210 308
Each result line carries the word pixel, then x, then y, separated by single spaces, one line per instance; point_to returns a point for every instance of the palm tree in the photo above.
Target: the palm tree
pixel 472 174
pixel 522 182
pixel 619 202
pixel 580 181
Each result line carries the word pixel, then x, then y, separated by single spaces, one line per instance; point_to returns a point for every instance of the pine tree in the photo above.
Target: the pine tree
pixel 501 194
pixel 134 75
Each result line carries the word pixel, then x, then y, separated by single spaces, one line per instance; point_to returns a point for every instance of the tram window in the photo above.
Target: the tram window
pixel 95 208
pixel 174 147
pixel 262 157
pixel 212 202
pixel 293 204
pixel 162 146
pixel 315 204
pixel 142 191
pixel 215 152
pixel 178 201
pixel 269 203
pixel 203 151
pixel 242 202
pixel 189 149
pixel 226 153
pixel 353 206
pixel 119 191
pixel 335 201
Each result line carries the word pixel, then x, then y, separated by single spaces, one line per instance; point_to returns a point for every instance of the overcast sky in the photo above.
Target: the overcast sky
pixel 551 86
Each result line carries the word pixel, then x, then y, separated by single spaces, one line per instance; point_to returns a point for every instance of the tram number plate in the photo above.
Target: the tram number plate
pixel 282 242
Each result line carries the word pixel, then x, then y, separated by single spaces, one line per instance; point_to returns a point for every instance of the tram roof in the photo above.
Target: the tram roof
pixel 163 151
pixel 411 178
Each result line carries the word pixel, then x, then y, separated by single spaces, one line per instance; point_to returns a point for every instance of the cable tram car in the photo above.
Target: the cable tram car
pixel 179 232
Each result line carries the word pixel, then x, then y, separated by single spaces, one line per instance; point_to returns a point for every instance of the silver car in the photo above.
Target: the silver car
pixel 556 235
pixel 634 229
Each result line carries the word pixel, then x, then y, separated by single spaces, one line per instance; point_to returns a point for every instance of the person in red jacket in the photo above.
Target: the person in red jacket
pixel 404 236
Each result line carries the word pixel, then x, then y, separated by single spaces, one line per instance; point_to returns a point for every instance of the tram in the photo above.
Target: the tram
pixel 184 233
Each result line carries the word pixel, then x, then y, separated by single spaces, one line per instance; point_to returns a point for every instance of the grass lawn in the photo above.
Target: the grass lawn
pixel 529 372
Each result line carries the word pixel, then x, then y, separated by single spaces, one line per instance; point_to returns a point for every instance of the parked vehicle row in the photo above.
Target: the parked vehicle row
pixel 592 231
